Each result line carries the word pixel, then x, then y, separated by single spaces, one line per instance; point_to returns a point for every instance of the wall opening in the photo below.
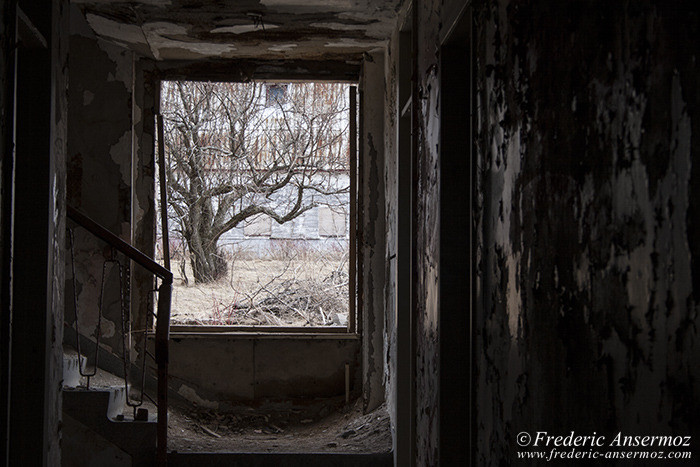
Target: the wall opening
pixel 456 243
pixel 259 183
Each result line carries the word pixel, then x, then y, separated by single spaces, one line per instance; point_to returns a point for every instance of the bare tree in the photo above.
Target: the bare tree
pixel 238 150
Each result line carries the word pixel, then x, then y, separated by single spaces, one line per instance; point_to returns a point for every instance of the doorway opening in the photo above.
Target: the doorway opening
pixel 457 240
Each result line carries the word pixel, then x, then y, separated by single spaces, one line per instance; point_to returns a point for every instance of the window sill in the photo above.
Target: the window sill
pixel 262 332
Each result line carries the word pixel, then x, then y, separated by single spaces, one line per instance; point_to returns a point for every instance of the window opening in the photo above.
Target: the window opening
pixel 258 180
pixel 275 94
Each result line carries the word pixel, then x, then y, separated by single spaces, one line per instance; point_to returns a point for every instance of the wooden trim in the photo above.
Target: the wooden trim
pixel 258 329
pixel 352 273
pixel 268 334
pixel 163 191
pixel 359 240
pixel 245 70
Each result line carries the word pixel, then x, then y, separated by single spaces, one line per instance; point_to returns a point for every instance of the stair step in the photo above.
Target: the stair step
pixel 192 459
pixel 98 409
pixel 71 368
pixel 108 402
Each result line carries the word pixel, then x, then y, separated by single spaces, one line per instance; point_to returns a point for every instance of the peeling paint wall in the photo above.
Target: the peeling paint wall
pixel 390 176
pixel 143 214
pixel 99 169
pixel 427 239
pixel 59 141
pixel 371 247
pixel 586 133
pixel 232 29
pixel 589 318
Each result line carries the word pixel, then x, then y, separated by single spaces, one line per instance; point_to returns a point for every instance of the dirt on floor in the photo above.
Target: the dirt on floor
pixel 344 429
pixel 324 425
pixel 293 291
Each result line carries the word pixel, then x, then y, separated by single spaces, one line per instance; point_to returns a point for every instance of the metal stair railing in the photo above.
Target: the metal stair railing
pixel 162 317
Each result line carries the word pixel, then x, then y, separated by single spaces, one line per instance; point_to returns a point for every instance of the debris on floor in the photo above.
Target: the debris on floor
pixel 276 429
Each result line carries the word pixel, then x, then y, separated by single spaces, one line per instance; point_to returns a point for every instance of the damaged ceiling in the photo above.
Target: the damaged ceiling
pixel 193 29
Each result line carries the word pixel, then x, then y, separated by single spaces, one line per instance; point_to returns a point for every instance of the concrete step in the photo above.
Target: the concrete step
pixel 100 411
pixel 105 402
pixel 72 363
pixel 191 459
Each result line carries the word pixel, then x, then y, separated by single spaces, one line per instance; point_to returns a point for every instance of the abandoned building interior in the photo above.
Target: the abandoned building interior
pixel 524 252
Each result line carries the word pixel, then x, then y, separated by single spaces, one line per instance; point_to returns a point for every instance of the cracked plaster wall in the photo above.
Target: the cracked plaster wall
pixel 99 170
pixel 586 137
pixel 586 149
pixel 143 214
pixel 59 139
pixel 372 220
pixel 427 238
pixel 390 176
pixel 232 29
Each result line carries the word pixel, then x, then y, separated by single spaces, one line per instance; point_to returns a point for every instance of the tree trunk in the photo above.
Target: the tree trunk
pixel 208 265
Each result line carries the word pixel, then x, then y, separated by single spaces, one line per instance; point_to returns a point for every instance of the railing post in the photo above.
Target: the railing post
pixel 162 337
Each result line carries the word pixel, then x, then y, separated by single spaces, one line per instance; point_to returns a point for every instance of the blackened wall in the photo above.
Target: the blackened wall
pixel 586 127
pixel 34 109
pixel 589 318
pixel 7 65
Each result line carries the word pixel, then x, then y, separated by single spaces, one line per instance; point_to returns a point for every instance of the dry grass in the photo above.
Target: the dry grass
pixel 287 287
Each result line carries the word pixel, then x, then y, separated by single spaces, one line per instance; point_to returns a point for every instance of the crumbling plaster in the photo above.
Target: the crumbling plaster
pixel 182 30
pixel 589 320
pixel 372 245
pixel 99 170
pixel 427 236
pixel 390 191
pixel 586 118
pixel 59 140
pixel 143 212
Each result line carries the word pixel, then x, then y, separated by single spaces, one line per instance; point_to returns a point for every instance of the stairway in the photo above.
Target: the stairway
pixel 96 432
